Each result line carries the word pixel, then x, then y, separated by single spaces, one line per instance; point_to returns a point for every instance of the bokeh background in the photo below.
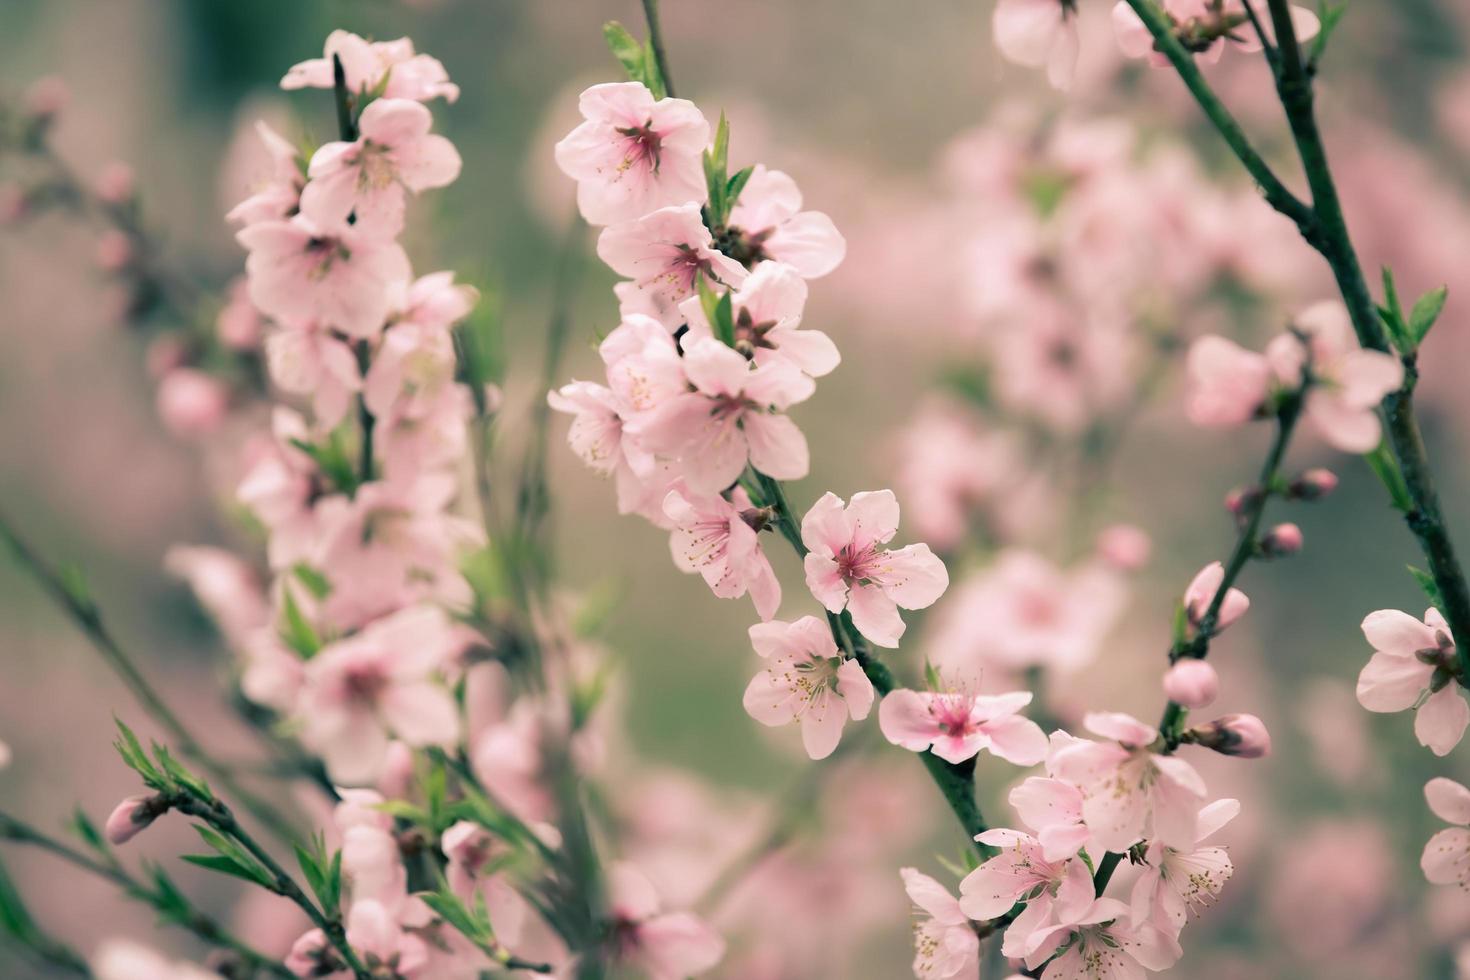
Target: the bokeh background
pixel 862 101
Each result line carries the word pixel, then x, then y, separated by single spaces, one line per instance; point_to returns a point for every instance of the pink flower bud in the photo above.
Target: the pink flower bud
pixel 47 96
pixel 1281 541
pixel 114 251
pixel 1313 484
pixel 1242 499
pixel 1239 735
pixel 1124 546
pixel 192 403
pixel 1201 593
pixel 129 818
pixel 14 203
pixel 1192 683
pixel 115 184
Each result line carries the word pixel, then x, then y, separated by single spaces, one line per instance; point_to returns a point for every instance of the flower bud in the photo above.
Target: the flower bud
pixel 1192 683
pixel 130 816
pixel 1239 735
pixel 1201 593
pixel 1313 484
pixel 116 183
pixel 1281 541
pixel 192 403
pixel 46 97
pixel 1242 499
pixel 114 251
pixel 1124 546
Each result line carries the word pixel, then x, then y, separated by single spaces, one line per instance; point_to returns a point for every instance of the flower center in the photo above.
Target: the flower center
pixel 857 564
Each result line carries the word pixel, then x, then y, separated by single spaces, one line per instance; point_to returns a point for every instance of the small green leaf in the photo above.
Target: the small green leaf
pixel 297 632
pixel 1329 14
pixel 709 300
pixel 316 583
pixel 734 186
pixel 229 866
pixel 625 48
pixel 137 760
pixel 14 918
pixel 179 775
pixel 1428 586
pixel 931 676
pixel 1425 312
pixel 724 322
pixel 1392 314
pixel 1381 461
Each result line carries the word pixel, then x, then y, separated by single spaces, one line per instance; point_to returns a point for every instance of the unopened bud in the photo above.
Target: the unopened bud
pixel 1124 546
pixel 116 183
pixel 1192 683
pixel 131 816
pixel 1281 541
pixel 1312 485
pixel 46 97
pixel 1239 735
pixel 114 251
pixel 1242 500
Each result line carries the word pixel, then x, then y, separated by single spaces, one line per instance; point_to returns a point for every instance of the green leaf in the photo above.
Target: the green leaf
pixel 452 910
pixel 1425 312
pixel 931 676
pixel 137 760
pixel 709 300
pixel 296 632
pixel 316 583
pixel 724 323
pixel 179 775
pixel 332 460
pixel 1383 464
pixel 1392 314
pixel 479 348
pixel 637 59
pixel 1428 586
pixel 720 151
pixel 230 858
pixel 1330 15
pixel 734 186
pixel 87 831
pixel 14 918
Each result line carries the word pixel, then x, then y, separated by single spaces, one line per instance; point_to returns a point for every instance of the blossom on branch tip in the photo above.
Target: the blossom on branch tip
pixel 805 679
pixel 366 179
pixel 664 945
pixel 394 65
pixel 714 537
pixel 1414 665
pixel 1192 683
pixel 1039 34
pixel 338 275
pixel 945 944
pixel 1446 858
pixel 767 224
pixel 959 725
pixel 130 817
pixel 847 569
pixel 1346 382
pixel 632 155
pixel 663 252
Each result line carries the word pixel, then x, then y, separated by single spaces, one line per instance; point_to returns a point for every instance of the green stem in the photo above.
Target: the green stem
pixel 1245 548
pixel 656 41
pixel 956 782
pixel 1105 869
pixel 221 818
pixel 84 612
pixel 196 922
pixel 1425 519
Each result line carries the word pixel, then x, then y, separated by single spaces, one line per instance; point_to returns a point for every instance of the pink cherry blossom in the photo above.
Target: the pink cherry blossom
pixel 374 932
pixel 369 64
pixel 366 179
pixel 1125 547
pixel 1446 858
pixel 846 568
pixel 945 944
pixel 632 154
pixel 192 403
pixel 1023 611
pixel 1181 880
pixel 278 197
pixel 767 312
pixel 1130 792
pixel 597 436
pixel 726 420
pixel 239 323
pixel 1348 382
pixel 664 945
pixel 1039 34
pixel 305 358
pixel 952 471
pixel 1229 21
pixel 1200 595
pixel 959 725
pixel 1192 683
pixel 338 276
pixel 277 488
pixel 1054 891
pixel 1412 667
pixel 714 538
pixel 1227 384
pixel 1103 944
pixel 378 681
pixel 1052 808
pixel 768 224
pixel 662 253
pixel 806 680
